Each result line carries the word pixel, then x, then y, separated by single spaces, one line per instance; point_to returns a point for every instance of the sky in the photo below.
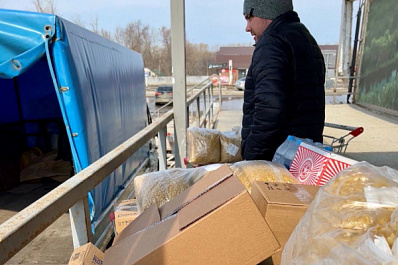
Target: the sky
pixel 214 22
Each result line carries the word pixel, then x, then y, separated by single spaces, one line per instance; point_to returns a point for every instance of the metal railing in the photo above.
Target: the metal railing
pixel 204 97
pixel 23 227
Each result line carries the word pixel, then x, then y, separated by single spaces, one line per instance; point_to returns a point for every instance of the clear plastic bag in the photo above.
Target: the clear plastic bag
pixel 203 146
pixel 352 220
pixel 230 147
pixel 261 170
pixel 160 187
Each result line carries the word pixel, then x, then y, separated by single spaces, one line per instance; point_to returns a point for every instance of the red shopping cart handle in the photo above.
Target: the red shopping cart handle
pixel 357 131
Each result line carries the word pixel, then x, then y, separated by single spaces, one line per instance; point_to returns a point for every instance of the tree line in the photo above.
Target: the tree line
pixel 153 44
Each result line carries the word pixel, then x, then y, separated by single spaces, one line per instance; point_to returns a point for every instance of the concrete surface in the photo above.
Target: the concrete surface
pixel 378 144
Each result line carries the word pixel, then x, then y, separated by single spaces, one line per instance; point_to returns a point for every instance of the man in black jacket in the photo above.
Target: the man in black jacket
pixel 284 89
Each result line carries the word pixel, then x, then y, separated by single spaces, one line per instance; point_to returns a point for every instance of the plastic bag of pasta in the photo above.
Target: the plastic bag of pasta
pixel 261 170
pixel 352 220
pixel 203 146
pixel 160 187
pixel 230 147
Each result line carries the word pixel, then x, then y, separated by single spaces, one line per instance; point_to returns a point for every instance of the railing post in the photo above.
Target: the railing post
pixel 198 112
pixel 162 148
pixel 204 109
pixel 80 223
pixel 219 95
pixel 177 14
pixel 210 107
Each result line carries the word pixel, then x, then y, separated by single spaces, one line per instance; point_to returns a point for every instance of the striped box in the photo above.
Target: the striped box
pixel 314 166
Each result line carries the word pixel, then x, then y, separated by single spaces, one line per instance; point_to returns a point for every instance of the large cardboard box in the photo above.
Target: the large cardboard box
pixel 314 166
pixel 215 221
pixel 282 205
pixel 87 254
pixel 125 212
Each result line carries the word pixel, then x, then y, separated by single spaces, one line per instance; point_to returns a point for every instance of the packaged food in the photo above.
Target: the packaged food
pixel 261 170
pixel 230 147
pixel 160 187
pixel 352 220
pixel 203 146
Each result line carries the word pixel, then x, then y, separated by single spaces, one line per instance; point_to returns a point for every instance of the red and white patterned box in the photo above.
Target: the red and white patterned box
pixel 314 166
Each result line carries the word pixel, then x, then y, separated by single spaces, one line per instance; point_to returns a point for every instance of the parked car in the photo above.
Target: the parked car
pixel 240 84
pixel 163 94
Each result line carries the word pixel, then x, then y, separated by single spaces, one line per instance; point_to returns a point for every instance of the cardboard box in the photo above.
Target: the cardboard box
pixel 282 205
pixel 215 221
pixel 125 212
pixel 87 254
pixel 315 166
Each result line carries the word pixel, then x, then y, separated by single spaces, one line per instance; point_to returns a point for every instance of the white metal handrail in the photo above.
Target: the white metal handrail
pixel 19 230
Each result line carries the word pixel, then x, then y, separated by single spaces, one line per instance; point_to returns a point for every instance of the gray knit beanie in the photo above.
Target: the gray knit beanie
pixel 269 9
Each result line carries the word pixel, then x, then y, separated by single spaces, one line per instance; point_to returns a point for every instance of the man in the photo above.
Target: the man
pixel 284 90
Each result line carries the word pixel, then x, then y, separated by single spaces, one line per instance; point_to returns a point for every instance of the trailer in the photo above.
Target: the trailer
pixel 67 95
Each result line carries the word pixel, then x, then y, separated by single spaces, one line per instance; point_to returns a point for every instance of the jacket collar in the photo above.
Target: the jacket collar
pixel 288 17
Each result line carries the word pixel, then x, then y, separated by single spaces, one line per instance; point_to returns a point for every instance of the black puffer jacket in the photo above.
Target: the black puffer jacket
pixel 284 90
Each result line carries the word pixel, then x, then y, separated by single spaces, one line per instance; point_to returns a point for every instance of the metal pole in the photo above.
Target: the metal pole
pixel 80 223
pixel 345 38
pixel 198 112
pixel 204 108
pixel 354 53
pixel 162 148
pixel 177 13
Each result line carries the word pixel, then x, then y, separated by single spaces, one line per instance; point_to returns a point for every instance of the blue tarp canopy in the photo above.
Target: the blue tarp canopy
pixel 51 68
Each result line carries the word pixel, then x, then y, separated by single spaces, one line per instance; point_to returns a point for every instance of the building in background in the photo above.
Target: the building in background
pixel 238 59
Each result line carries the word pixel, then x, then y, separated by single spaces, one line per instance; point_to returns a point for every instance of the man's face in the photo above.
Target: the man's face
pixel 256 26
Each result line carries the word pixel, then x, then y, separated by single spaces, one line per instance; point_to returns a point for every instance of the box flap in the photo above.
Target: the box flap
pixel 286 193
pixel 210 201
pixel 145 219
pixel 210 180
pixel 135 247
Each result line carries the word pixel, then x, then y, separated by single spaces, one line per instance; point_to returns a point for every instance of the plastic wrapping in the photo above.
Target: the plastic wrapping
pixel 261 170
pixel 352 220
pixel 160 187
pixel 230 147
pixel 203 146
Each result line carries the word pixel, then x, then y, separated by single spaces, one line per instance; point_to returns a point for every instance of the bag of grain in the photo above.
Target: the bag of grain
pixel 230 147
pixel 203 146
pixel 261 170
pixel 352 220
pixel 160 187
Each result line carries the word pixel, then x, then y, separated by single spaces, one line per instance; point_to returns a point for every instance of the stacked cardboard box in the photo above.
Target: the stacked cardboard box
pixel 215 221
pixel 282 205
pixel 87 254
pixel 125 212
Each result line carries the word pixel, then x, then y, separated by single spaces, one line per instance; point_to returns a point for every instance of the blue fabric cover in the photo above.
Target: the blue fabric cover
pixel 105 103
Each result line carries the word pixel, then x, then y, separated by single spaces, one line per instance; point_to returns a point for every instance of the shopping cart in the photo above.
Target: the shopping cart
pixel 340 144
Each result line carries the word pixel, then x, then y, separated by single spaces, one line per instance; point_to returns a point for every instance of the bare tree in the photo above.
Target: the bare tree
pixel 198 58
pixel 157 54
pixel 45 6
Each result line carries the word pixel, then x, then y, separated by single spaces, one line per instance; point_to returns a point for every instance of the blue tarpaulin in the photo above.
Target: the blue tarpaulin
pixel 51 68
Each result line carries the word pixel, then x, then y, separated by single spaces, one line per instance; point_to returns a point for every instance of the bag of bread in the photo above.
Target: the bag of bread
pixel 261 170
pixel 230 147
pixel 160 187
pixel 352 220
pixel 203 146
